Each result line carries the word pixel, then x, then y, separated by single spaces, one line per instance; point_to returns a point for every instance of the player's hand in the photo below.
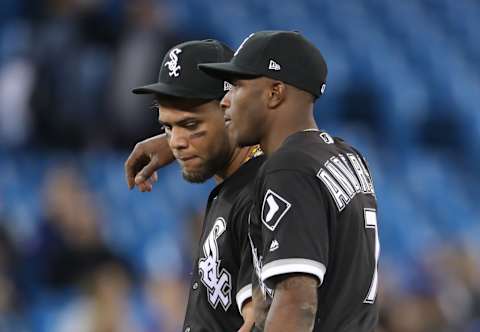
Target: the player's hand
pixel 145 159
pixel 147 185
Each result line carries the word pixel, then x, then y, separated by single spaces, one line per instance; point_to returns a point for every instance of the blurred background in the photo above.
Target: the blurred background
pixel 79 252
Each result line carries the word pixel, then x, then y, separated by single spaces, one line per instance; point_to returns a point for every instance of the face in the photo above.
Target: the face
pixel 245 111
pixel 197 136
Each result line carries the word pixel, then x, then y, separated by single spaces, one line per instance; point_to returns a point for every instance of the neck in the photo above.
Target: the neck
pixel 238 157
pixel 283 128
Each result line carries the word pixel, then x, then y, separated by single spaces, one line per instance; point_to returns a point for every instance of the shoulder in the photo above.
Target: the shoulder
pixel 307 151
pixel 297 157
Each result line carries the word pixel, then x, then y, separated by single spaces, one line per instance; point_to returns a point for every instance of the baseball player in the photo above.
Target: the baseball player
pixel 196 135
pixel 313 226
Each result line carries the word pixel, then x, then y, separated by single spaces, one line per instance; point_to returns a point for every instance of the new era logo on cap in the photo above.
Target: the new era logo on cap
pixel 273 65
pixel 273 209
pixel 226 86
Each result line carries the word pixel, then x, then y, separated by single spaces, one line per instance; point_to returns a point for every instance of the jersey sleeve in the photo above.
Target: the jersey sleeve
pixel 244 278
pixel 294 222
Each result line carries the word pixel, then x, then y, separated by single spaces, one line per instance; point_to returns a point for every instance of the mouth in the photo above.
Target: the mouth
pixel 190 163
pixel 184 159
pixel 228 120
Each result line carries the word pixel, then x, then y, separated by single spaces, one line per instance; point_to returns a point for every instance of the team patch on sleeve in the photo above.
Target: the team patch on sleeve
pixel 274 209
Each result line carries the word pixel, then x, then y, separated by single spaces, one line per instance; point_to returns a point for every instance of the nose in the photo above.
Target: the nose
pixel 226 101
pixel 178 139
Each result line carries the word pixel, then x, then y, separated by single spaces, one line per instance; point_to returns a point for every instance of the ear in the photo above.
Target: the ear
pixel 276 94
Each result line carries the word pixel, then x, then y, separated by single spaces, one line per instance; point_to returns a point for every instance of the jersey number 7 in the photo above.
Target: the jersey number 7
pixel 370 216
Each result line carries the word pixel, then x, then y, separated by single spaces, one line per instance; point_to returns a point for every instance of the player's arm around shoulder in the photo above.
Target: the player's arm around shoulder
pixel 294 304
pixel 145 159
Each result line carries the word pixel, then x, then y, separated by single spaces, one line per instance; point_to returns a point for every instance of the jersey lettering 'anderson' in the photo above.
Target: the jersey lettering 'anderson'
pixel 222 274
pixel 315 212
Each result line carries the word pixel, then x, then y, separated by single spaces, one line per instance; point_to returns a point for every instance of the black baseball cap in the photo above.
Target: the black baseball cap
pixel 179 75
pixel 286 56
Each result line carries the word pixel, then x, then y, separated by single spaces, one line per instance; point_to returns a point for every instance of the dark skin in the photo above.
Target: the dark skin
pixel 196 136
pixel 295 299
pixel 199 125
pixel 261 304
pixel 265 111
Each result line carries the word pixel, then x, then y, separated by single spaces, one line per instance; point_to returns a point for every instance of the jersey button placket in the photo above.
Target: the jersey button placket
pixel 195 285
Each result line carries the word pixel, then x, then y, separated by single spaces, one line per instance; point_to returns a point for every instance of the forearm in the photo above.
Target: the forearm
pixel 161 148
pixel 248 317
pixel 261 306
pixel 294 305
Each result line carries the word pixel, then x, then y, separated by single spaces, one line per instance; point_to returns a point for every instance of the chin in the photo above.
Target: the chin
pixel 238 138
pixel 194 177
pixel 198 175
pixel 246 141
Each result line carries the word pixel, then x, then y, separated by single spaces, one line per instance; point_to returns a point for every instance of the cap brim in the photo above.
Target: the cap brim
pixel 226 71
pixel 147 89
pixel 169 90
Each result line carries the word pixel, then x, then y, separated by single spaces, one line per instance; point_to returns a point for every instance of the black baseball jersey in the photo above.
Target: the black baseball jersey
pixel 315 213
pixel 222 271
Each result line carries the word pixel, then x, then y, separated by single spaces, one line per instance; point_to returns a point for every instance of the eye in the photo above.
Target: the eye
pixel 191 125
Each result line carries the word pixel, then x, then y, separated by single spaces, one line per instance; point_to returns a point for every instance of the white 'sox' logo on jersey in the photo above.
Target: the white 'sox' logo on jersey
pixel 172 65
pixel 218 282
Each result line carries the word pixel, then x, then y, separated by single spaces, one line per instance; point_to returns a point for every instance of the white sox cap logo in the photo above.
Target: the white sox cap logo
pixel 172 65
pixel 273 209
